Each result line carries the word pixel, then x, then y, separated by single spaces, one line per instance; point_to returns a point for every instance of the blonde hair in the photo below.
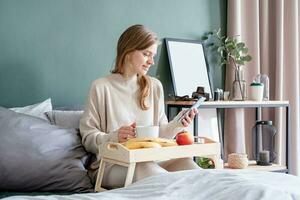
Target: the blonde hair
pixel 136 37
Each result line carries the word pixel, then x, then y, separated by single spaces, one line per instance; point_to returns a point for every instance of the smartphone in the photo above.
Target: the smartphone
pixel 195 105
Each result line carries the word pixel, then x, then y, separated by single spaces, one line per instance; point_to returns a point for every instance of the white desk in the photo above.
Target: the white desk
pixel 258 105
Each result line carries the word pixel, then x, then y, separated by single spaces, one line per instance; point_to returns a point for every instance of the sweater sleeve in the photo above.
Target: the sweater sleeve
pixel 90 124
pixel 166 130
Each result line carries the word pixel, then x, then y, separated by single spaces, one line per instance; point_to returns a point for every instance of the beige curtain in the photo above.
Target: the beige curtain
pixel 270 28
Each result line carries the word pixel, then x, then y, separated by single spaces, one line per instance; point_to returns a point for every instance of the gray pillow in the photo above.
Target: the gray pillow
pixel 37 156
pixel 64 118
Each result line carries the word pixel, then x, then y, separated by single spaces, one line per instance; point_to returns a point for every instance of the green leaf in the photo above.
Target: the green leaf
pixel 205 163
pixel 221 53
pixel 240 62
pixel 248 58
pixel 235 53
pixel 224 62
pixel 218 32
pixel 240 45
pixel 226 40
pixel 204 38
pixel 245 50
pixel 230 46
pixel 229 41
pixel 220 49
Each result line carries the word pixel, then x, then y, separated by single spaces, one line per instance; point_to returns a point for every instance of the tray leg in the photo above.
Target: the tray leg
pixel 130 173
pixel 98 187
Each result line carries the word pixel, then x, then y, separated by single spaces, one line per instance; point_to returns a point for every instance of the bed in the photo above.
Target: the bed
pixel 199 184
pixel 43 153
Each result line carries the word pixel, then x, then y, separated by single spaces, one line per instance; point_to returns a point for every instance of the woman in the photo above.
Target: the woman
pixel 127 97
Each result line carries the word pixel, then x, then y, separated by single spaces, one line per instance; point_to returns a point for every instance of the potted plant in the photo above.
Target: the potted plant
pixel 232 53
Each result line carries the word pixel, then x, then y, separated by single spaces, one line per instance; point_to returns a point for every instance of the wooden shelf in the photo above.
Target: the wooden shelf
pixel 271 168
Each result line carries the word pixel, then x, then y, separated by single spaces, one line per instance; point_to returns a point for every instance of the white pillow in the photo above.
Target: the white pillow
pixel 36 110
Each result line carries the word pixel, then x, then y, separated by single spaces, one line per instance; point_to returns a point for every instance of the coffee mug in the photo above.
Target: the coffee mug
pixel 147 131
pixel 226 95
pixel 256 91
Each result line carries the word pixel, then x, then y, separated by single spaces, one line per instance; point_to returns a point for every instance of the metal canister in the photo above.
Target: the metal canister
pixel 218 94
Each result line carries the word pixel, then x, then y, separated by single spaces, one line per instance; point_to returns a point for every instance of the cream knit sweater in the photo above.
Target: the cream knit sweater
pixel 113 102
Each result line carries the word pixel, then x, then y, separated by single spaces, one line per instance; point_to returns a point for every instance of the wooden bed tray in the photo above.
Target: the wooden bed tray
pixel 116 153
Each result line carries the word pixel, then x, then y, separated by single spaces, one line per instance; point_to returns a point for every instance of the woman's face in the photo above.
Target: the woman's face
pixel 141 60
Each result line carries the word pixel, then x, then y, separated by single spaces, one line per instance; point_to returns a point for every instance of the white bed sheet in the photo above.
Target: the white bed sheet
pixel 199 184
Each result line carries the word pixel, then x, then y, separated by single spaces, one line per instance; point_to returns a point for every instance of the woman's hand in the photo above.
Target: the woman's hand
pixel 189 118
pixel 126 132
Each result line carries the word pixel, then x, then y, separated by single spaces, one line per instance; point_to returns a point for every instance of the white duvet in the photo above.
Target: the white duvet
pixel 199 184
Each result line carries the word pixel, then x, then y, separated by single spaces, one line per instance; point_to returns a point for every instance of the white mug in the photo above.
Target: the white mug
pixel 147 131
pixel 256 92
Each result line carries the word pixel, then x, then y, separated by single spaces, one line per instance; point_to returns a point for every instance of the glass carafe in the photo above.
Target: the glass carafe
pixel 263 140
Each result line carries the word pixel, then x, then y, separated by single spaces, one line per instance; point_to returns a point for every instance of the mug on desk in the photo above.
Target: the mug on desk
pixel 147 131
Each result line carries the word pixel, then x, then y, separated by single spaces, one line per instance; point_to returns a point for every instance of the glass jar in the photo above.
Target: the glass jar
pixel 263 140
pixel 239 86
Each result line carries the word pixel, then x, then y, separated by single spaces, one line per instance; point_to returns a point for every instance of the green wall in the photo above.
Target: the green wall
pixel 55 48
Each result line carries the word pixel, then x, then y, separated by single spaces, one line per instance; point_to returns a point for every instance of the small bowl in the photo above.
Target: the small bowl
pixel 237 161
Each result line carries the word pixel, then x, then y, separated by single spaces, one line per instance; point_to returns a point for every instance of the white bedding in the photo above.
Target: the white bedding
pixel 199 184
